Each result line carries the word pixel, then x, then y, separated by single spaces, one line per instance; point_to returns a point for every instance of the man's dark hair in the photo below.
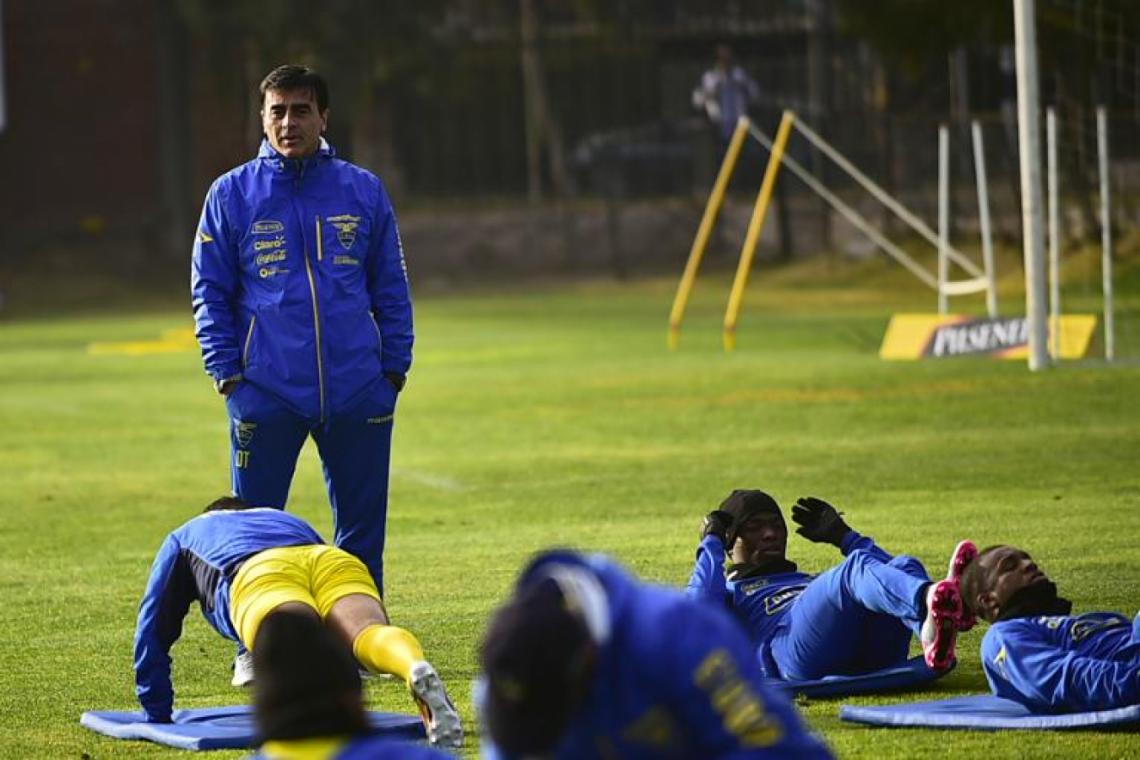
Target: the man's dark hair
pixel 294 77
pixel 538 655
pixel 974 578
pixel 227 502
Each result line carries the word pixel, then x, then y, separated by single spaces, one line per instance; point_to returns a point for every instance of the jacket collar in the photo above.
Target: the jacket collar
pixel 323 151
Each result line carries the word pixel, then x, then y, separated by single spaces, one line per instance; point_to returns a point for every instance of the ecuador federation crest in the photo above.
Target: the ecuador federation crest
pixel 243 431
pixel 345 225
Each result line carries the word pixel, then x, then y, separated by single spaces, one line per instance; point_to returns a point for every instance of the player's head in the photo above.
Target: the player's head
pixel 538 657
pixel 227 502
pixel 1003 580
pixel 758 534
pixel 294 110
pixel 307 682
pixel 724 55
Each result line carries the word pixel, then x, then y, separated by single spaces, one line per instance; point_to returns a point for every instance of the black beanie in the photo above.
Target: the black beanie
pixel 307 683
pixel 744 504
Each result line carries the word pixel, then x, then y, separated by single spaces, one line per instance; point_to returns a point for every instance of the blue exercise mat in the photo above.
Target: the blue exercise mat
pixel 910 674
pixel 220 727
pixel 983 712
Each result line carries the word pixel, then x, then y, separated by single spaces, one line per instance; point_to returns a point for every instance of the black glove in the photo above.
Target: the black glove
pixel 717 523
pixel 819 521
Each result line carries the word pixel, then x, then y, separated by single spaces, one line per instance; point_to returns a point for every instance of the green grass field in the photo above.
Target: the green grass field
pixel 557 416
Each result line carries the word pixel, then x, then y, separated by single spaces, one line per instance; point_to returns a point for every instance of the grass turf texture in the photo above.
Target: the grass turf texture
pixel 558 417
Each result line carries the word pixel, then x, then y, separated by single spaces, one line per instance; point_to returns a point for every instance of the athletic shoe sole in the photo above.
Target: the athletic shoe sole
pixel 964 553
pixel 940 629
pixel 444 729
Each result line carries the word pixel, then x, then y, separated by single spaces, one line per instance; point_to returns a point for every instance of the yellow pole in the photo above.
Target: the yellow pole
pixel 755 225
pixel 697 252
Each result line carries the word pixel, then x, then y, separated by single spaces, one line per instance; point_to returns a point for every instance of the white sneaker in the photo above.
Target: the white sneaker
pixel 444 729
pixel 243 669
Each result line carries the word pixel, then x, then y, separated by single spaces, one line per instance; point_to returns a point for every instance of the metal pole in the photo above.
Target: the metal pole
pixel 1105 233
pixel 884 197
pixel 943 215
pixel 3 98
pixel 708 219
pixel 1054 236
pixel 984 218
pixel 1029 157
pixel 755 226
pixel 850 214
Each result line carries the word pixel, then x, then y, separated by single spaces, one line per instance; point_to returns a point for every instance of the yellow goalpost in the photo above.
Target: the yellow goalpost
pixel 751 239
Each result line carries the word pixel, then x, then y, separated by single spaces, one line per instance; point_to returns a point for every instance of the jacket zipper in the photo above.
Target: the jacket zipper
pixel 248 339
pixel 313 293
pixel 320 246
pixel 317 326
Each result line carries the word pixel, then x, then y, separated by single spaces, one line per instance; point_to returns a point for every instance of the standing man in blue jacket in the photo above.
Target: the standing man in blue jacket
pixel 1037 652
pixel 303 313
pixel 586 662
pixel 853 618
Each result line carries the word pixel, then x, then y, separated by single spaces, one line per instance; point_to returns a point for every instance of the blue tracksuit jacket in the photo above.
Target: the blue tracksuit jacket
pixel 1065 663
pixel 298 280
pixel 675 679
pixel 198 561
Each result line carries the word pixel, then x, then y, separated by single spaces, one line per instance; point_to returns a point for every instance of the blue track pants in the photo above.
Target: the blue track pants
pixel 354 445
pixel 855 618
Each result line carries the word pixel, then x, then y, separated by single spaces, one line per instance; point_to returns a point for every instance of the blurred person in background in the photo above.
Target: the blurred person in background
pixel 724 94
pixel 304 317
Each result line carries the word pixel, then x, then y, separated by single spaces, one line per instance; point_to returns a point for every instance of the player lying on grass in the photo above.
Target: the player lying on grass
pixel 1039 654
pixel 241 563
pixel 854 618
pixel 586 662
pixel 308 701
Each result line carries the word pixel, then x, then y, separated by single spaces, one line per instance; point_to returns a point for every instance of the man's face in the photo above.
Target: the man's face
pixel 292 122
pixel 1007 570
pixel 762 539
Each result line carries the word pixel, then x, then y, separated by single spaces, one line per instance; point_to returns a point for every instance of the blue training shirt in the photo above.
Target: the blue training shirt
pixel 1064 663
pixel 759 602
pixel 198 561
pixel 676 678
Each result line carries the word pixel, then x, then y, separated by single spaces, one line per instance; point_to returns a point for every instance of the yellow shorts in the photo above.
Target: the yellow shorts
pixel 315 574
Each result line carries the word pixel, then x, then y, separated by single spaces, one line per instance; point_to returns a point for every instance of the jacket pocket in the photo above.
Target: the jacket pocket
pixel 248 341
pixel 379 336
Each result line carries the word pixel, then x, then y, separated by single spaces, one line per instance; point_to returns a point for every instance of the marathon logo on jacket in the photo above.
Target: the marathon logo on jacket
pixel 346 225
pixel 266 227
pixel 1093 622
pixel 778 601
